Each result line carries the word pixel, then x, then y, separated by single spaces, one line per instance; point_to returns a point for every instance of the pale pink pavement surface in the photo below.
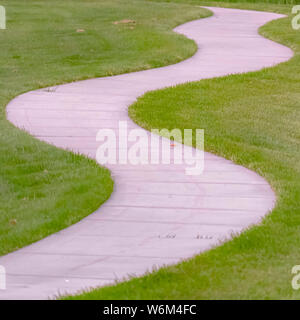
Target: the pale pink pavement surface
pixel 157 215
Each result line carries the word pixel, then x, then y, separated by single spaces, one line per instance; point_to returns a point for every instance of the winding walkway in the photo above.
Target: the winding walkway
pixel 156 215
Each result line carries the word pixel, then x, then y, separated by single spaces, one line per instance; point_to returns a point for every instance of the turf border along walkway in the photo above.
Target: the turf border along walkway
pixel 256 265
pixel 45 189
pixel 73 244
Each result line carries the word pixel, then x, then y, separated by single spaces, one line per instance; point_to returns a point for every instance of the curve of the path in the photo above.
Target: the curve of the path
pixel 157 215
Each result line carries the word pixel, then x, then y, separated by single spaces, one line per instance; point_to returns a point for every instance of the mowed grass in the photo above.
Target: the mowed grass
pixel 44 189
pixel 254 120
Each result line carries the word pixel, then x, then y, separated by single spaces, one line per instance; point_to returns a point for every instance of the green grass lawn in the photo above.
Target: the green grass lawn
pixel 254 120
pixel 44 189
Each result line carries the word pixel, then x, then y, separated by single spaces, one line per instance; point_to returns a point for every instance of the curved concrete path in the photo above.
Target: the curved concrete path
pixel 157 215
